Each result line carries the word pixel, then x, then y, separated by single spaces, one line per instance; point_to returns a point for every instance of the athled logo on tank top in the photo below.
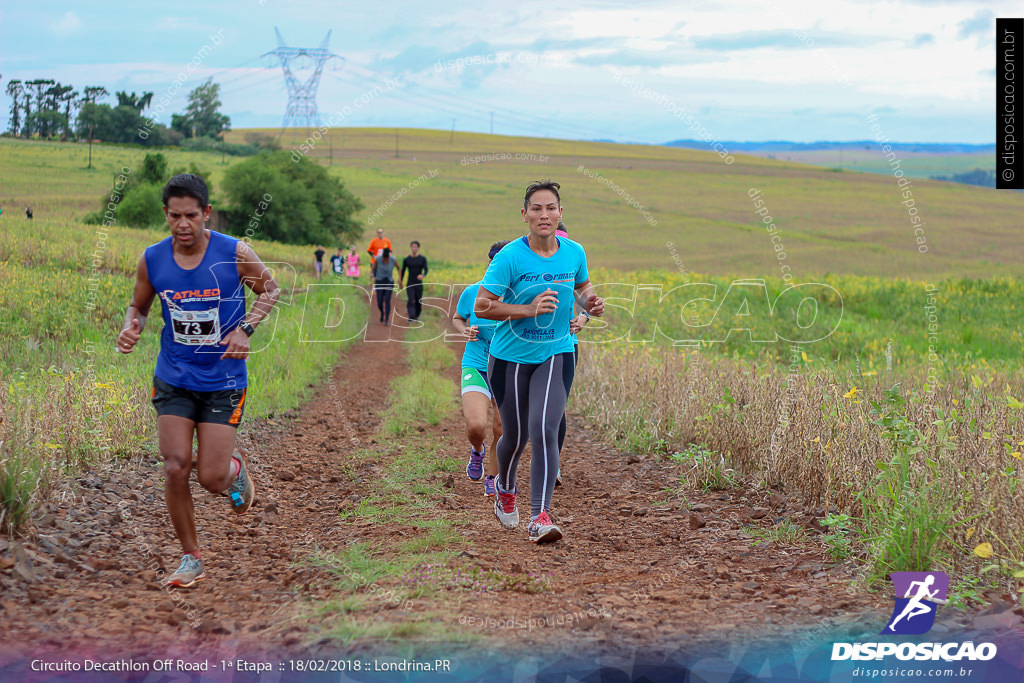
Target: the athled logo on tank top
pixel 186 295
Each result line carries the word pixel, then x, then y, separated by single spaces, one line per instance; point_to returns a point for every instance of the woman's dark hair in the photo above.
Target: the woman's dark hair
pixel 538 185
pixel 495 248
pixel 386 256
pixel 187 185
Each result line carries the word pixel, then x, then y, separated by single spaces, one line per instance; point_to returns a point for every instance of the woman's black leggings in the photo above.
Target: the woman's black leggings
pixel 383 288
pixel 568 373
pixel 531 402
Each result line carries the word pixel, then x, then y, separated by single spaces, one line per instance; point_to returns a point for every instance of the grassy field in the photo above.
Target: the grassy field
pixel 869 159
pixel 829 222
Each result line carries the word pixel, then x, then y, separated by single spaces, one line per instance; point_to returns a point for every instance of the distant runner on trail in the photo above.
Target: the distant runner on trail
pixel 416 265
pixel 384 283
pixel 200 381
pixel 318 261
pixel 538 278
pixel 338 263
pixel 377 246
pixel 352 264
pixel 476 395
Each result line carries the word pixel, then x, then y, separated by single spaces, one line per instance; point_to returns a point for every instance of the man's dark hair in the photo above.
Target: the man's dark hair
pixel 538 185
pixel 187 185
pixel 495 248
pixel 416 242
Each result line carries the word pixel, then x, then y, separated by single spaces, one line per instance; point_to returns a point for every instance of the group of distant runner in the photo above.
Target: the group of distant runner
pixel 382 273
pixel 519 322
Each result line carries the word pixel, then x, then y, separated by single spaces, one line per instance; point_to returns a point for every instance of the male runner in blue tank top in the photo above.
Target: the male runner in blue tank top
pixel 200 381
pixel 530 288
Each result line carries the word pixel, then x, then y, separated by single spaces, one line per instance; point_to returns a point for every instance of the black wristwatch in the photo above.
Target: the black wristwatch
pixel 247 328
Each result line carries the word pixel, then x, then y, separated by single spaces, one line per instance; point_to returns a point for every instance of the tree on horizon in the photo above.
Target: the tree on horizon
pixel 202 117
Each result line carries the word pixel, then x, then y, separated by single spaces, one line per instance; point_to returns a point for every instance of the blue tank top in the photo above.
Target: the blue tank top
pixel 200 307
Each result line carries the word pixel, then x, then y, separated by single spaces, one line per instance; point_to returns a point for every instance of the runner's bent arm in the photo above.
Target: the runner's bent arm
pixel 135 318
pixel 488 306
pixel 256 277
pixel 469 332
pixel 585 298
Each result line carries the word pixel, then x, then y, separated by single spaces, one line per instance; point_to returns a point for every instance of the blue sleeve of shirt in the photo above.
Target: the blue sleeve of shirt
pixel 498 278
pixel 467 300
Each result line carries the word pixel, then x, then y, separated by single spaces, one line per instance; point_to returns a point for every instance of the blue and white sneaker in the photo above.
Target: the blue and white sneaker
pixel 241 492
pixel 189 571
pixel 489 485
pixel 475 468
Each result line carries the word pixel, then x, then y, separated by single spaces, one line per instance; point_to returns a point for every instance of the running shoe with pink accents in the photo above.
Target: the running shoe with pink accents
pixel 543 530
pixel 505 507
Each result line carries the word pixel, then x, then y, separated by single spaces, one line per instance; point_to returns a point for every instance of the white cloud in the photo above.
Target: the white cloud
pixel 67 25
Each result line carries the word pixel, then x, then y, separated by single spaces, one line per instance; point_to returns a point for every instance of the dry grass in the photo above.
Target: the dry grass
pixel 806 433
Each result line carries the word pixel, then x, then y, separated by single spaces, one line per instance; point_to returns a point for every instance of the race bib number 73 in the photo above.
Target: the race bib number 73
pixel 196 328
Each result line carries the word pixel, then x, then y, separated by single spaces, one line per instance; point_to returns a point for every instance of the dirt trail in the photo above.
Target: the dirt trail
pixel 633 571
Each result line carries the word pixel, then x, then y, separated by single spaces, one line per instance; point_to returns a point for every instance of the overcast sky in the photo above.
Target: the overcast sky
pixel 741 70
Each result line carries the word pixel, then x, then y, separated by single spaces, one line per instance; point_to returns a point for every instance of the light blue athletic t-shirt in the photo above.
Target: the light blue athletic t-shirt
pixel 517 275
pixel 475 355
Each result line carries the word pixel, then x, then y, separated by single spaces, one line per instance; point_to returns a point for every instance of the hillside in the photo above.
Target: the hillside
pixel 828 221
pixel 699 215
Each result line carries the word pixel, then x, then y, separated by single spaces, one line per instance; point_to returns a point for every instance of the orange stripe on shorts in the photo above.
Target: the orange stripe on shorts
pixel 237 415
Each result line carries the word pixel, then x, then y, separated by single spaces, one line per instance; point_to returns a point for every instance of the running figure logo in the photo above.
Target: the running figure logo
pixel 914 613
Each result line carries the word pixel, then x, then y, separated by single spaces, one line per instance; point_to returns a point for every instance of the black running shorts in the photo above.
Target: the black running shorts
pixel 224 407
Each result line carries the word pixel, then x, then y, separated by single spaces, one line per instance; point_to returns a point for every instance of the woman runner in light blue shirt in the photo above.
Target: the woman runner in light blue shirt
pixel 476 394
pixel 530 289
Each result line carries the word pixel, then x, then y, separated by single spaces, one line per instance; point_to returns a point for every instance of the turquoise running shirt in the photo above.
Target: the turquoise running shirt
pixel 475 355
pixel 517 275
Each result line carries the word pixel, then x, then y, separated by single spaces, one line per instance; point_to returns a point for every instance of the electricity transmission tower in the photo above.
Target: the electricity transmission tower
pixel 302 110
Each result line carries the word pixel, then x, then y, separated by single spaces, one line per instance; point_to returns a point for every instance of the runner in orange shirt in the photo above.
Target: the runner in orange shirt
pixel 377 246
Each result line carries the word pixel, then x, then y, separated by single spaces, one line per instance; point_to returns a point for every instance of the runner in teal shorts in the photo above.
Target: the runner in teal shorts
pixel 476 394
